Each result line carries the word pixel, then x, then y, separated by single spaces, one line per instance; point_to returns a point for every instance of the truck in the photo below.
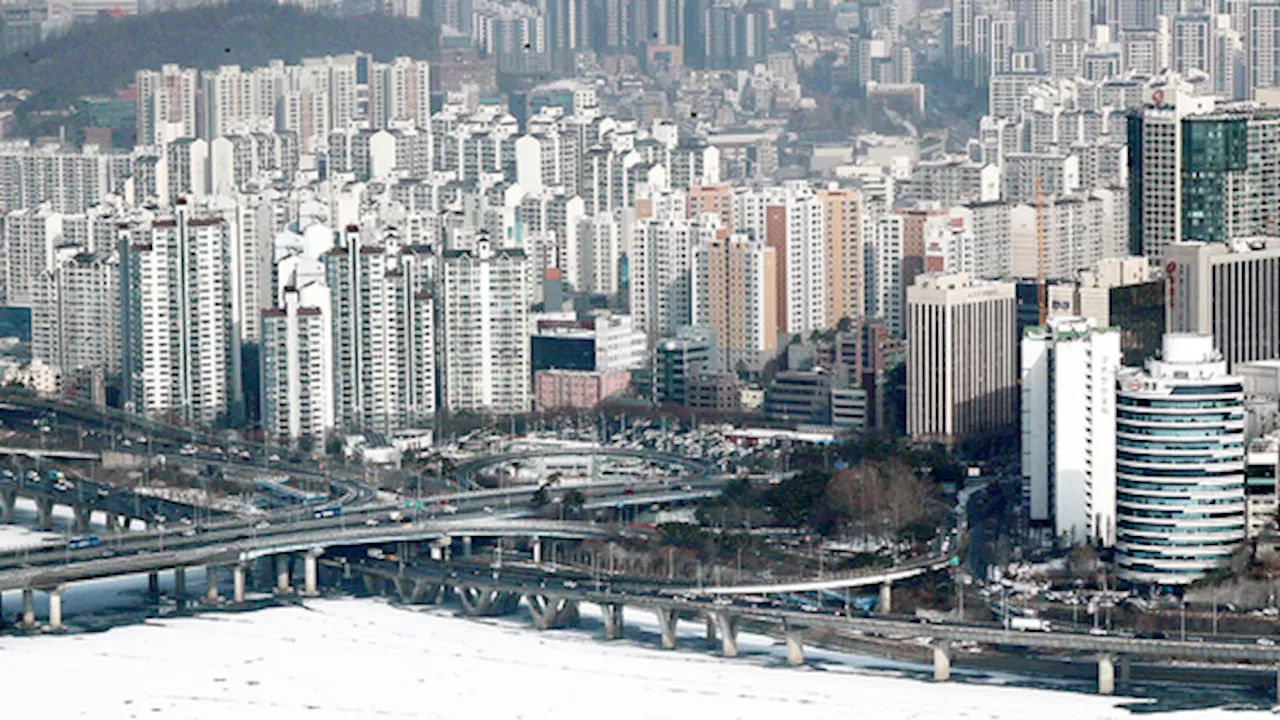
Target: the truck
pixel 81 542
pixel 1030 624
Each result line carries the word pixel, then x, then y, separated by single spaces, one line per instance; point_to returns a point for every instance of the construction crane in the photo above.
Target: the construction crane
pixel 1042 290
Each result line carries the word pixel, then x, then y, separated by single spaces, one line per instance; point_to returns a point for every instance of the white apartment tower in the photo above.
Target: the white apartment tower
pixel 485 311
pixel 297 363
pixel 1068 429
pixel 661 271
pixel 962 359
pixel 400 92
pixel 75 316
pixel 181 347
pixel 383 319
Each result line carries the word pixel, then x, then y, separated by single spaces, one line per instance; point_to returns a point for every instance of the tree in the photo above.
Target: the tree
pixel 540 497
pixel 797 500
pixel 573 502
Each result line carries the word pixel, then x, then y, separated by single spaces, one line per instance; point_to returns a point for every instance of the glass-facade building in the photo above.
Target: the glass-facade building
pixel 1180 475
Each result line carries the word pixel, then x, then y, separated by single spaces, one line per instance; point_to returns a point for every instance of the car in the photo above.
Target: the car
pixel 570 584
pixel 103 492
pixel 488 509
pixel 1266 641
pixel 262 525
pixel 371 522
pixel 274 458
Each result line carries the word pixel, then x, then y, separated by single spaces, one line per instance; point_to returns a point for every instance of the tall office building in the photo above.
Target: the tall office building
pixel 178 319
pixel 961 359
pixel 297 362
pixel 383 318
pixel 1200 173
pixel 1180 501
pixel 1068 429
pixel 485 339
pixel 1229 291
pixel 736 296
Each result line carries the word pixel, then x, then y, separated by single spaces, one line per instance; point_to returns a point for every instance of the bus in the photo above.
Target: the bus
pixel 83 541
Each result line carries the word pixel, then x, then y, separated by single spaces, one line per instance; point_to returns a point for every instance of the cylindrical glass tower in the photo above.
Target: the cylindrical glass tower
pixel 1180 509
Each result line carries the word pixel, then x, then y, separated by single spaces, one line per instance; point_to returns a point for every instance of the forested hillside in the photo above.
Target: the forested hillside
pixel 99 57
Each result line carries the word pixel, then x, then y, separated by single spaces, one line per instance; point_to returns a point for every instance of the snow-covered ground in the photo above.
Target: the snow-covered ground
pixel 359 658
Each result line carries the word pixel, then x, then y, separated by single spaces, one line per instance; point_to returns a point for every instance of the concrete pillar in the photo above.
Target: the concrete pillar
pixel 466 546
pixel 612 621
pixel 82 513
pixel 886 598
pixel 310 560
pixel 113 523
pixel 180 587
pixel 795 646
pixel 727 625
pixel 237 582
pixel 211 584
pixel 711 630
pixel 282 574
pixel 536 545
pixel 942 661
pixel 55 608
pixel 1106 674
pixel 153 586
pixel 1126 669
pixel 7 499
pixel 44 513
pixel 28 608
pixel 667 626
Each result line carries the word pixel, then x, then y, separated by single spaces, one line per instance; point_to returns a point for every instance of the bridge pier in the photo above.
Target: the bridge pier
pixel 727 625
pixel 1126 669
pixel 535 546
pixel 153 586
pixel 82 514
pixel 7 500
pixel 667 626
pixel 310 571
pixel 180 587
pixel 237 583
pixel 550 612
pixel 1106 674
pixel 886 598
pixel 55 608
pixel 941 661
pixel 113 523
pixel 466 546
pixel 282 575
pixel 28 609
pixel 211 585
pixel 482 601
pixel 612 620
pixel 795 645
pixel 711 630
pixel 44 513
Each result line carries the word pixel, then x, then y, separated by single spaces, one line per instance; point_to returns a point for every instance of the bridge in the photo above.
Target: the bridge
pixel 692 467
pixel 552 603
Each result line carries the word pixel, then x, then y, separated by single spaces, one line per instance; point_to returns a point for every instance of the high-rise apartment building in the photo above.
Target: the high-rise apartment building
pixel 297 361
pixel 485 338
pixel 166 104
pixel 383 319
pixel 75 313
pixel 400 92
pixel 661 264
pixel 791 220
pixel 843 223
pixel 1068 429
pixel 961 358
pixel 736 296
pixel 177 321
pixel 1180 447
